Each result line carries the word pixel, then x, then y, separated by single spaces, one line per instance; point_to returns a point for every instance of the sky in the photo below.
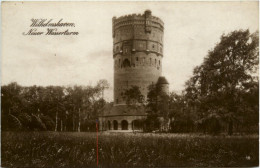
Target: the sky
pixel 191 29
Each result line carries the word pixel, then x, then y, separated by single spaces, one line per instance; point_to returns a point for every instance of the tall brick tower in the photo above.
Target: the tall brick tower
pixel 137 54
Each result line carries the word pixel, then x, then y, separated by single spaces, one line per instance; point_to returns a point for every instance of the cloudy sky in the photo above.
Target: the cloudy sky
pixel 191 29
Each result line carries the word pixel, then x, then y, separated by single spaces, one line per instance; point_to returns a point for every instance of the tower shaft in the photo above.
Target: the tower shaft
pixel 137 52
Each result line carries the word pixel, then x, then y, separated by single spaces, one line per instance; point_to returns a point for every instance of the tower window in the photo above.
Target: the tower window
pixel 153 46
pixel 159 62
pixel 155 61
pixel 126 63
pixel 150 61
pixel 136 58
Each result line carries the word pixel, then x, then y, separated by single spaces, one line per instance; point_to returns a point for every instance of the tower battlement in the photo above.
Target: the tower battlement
pixel 131 17
pixel 137 19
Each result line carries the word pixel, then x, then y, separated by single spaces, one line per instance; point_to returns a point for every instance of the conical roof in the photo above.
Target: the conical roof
pixel 162 80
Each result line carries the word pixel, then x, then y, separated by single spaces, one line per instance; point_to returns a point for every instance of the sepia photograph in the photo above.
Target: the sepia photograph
pixel 129 84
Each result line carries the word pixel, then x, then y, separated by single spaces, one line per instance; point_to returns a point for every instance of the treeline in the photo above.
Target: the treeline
pixel 223 93
pixel 52 108
pixel 221 96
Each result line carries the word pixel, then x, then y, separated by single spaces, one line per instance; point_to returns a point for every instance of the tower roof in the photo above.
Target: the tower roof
pixel 162 80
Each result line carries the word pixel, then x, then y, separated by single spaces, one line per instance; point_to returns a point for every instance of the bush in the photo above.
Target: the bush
pixel 182 126
pixel 151 123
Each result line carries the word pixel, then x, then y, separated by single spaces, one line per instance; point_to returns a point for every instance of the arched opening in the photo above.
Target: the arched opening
pixel 126 63
pixel 124 124
pixel 115 124
pixel 109 125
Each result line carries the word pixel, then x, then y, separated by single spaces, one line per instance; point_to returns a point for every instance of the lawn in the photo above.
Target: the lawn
pixel 54 149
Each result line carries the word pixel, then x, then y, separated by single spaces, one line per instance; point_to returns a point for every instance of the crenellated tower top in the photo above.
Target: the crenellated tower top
pixel 138 19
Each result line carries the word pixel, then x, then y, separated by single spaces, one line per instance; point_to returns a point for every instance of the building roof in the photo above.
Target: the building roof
pixel 162 80
pixel 124 110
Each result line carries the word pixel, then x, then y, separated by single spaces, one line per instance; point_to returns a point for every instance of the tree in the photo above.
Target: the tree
pixel 10 106
pixel 52 108
pixel 133 97
pixel 217 85
pixel 152 121
pixel 102 85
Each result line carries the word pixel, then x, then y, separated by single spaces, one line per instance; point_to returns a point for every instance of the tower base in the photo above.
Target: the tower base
pixel 122 118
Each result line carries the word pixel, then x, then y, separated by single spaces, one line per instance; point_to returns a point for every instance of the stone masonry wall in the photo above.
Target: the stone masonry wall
pixel 137 52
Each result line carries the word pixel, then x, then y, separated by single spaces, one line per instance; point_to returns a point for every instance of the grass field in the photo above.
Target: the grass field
pixel 51 149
